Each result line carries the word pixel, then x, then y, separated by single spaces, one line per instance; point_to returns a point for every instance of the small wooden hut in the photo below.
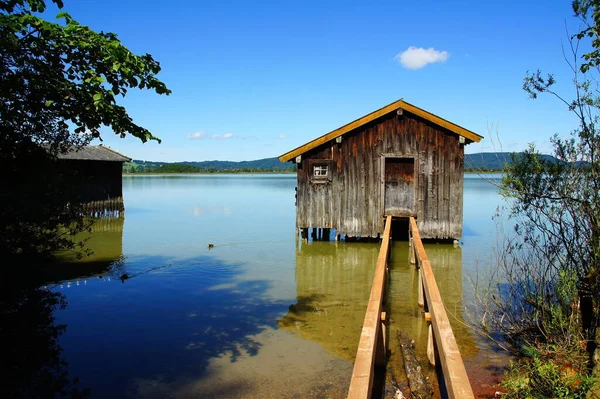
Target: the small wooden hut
pixel 95 176
pixel 399 160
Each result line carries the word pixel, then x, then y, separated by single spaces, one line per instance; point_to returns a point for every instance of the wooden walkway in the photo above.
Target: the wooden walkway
pixel 441 342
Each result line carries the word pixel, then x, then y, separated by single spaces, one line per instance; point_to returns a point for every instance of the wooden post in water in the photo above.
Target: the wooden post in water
pixel 420 291
pixel 430 345
pixel 381 350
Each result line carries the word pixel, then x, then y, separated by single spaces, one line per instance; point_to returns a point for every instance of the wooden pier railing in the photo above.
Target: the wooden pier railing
pixel 441 336
pixel 372 345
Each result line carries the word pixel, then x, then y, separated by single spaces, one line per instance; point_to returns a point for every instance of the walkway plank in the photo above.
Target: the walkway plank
pixel 455 375
pixel 361 384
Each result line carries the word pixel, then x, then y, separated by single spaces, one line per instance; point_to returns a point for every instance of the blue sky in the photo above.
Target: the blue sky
pixel 254 79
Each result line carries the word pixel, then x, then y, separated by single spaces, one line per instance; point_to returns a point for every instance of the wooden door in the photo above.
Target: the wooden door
pixel 399 187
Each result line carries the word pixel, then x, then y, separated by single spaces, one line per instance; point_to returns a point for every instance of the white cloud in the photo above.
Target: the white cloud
pixel 222 136
pixel 418 57
pixel 195 136
pixel 202 135
pixel 282 136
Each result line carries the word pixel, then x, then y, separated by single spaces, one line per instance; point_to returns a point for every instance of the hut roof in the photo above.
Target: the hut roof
pixel 393 107
pixel 94 153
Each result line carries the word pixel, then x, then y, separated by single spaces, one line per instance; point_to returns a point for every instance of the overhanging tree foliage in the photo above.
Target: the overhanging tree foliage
pixel 57 73
pixel 59 84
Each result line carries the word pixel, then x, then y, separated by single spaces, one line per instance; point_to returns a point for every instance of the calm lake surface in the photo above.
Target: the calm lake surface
pixel 157 313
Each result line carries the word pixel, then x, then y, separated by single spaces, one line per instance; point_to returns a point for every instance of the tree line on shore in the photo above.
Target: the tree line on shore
pixel 259 166
pixel 482 162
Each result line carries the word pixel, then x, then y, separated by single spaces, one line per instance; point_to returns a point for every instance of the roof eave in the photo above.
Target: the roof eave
pixel 126 158
pixel 400 104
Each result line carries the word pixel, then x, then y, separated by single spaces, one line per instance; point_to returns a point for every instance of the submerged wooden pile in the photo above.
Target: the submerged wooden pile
pixel 419 386
pixel 109 208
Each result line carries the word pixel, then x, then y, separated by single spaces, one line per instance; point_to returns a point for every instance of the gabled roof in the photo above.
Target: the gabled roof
pixel 94 153
pixel 400 104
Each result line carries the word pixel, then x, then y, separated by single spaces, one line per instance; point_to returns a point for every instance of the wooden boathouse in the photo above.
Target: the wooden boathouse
pixel 94 174
pixel 399 161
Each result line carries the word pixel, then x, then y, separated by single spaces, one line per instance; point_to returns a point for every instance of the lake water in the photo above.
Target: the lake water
pixel 156 312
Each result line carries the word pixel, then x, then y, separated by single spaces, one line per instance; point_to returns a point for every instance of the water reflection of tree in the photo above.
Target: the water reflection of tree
pixel 333 286
pixel 180 315
pixel 202 317
pixel 31 364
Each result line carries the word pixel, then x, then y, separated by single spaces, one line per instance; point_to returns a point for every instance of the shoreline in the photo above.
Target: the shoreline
pixel 257 173
pixel 209 173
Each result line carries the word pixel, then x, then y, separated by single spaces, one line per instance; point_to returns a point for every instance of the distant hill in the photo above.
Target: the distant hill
pixel 259 165
pixel 482 161
pixel 492 161
pixel 265 164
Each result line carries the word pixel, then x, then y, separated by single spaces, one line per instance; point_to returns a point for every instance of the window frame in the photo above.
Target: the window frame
pixel 315 165
pixel 320 171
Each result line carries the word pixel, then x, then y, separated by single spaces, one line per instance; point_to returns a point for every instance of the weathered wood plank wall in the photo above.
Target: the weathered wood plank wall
pixel 352 202
pixel 92 180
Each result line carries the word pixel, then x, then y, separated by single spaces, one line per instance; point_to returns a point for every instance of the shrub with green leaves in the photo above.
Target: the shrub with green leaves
pixel 538 378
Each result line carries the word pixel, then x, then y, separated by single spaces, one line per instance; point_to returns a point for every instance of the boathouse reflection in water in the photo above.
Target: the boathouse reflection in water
pixel 106 243
pixel 333 285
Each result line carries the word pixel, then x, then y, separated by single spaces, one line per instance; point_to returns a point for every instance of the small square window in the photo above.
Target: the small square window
pixel 320 170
